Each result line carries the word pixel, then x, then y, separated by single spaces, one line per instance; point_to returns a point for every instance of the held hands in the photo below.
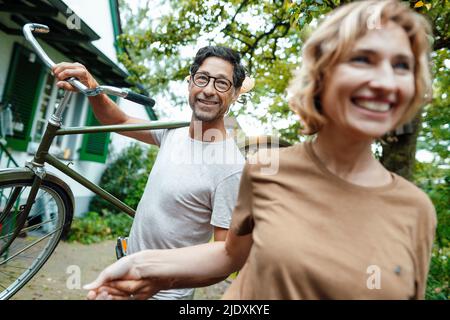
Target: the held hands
pixel 66 70
pixel 121 281
pixel 124 290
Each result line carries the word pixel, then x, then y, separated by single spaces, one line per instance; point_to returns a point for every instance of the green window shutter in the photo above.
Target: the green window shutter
pixel 23 85
pixel 95 145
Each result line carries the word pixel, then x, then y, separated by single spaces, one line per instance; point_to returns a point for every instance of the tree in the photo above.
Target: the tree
pixel 399 152
pixel 270 42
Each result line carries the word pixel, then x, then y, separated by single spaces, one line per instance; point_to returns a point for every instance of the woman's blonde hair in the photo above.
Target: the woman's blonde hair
pixel 336 36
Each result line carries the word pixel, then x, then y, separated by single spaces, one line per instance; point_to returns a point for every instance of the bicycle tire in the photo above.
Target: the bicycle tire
pixel 14 272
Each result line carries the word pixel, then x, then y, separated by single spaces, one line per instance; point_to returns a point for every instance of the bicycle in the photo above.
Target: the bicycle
pixel 36 206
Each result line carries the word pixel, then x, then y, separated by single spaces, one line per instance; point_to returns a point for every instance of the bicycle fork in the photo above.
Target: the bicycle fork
pixel 24 210
pixel 37 166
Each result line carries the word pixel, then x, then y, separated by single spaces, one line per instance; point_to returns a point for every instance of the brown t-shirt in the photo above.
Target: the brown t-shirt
pixel 316 236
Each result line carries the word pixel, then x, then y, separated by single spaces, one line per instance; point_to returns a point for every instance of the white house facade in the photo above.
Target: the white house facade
pixel 82 31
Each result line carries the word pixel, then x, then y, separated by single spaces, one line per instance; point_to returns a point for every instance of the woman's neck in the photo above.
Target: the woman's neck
pixel 350 158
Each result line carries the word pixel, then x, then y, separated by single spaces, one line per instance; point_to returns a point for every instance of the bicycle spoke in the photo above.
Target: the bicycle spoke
pixel 24 252
pixel 33 213
pixel 10 203
pixel 29 246
pixel 29 229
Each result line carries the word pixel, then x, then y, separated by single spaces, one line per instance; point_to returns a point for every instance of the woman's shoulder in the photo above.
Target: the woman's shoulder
pixel 416 197
pixel 409 188
pixel 265 155
pixel 276 161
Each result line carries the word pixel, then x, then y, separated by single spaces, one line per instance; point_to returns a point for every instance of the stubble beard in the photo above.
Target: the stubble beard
pixel 206 116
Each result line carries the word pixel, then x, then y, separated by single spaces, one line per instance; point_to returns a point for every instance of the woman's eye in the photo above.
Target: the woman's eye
pixel 360 59
pixel 402 65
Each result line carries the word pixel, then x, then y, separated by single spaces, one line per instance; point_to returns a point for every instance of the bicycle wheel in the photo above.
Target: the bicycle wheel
pixel 26 250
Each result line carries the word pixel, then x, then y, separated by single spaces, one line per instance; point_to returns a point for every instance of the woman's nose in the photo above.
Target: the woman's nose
pixel 384 78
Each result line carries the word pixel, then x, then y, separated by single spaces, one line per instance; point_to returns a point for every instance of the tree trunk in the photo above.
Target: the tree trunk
pixel 399 151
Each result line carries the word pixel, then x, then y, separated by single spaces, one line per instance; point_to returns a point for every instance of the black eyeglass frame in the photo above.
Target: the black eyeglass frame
pixel 209 79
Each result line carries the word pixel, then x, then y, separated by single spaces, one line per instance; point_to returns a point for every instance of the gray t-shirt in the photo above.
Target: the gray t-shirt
pixel 193 186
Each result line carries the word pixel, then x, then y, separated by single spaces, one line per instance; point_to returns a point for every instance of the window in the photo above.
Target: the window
pixel 63 147
pixel 95 145
pixel 23 85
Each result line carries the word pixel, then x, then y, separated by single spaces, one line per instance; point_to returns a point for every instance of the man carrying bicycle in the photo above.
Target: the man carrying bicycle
pixel 194 183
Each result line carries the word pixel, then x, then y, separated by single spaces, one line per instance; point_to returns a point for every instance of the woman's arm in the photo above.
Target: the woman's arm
pixel 189 267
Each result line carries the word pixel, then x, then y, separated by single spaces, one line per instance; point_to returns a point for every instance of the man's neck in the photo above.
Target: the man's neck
pixel 210 131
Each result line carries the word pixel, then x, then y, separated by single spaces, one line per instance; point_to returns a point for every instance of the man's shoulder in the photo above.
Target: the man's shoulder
pixel 176 131
pixel 172 133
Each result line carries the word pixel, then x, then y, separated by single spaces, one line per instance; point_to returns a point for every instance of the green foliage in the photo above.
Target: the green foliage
pixel 435 133
pixel 436 183
pixel 155 49
pixel 125 177
pixel 270 43
pixel 93 227
pixel 439 275
pixel 434 177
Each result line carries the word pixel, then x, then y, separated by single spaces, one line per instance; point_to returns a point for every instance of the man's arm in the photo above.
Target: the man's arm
pixel 105 110
pixel 220 234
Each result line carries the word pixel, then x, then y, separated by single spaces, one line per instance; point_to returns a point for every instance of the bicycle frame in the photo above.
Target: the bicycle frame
pixel 54 128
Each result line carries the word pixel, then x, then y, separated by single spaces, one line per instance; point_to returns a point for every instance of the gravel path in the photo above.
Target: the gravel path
pixel 74 264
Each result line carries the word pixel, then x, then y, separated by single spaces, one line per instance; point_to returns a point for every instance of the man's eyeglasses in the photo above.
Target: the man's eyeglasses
pixel 220 84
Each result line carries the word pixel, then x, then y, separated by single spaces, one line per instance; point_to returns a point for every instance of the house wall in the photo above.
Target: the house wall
pixel 101 24
pixel 94 13
pixel 88 11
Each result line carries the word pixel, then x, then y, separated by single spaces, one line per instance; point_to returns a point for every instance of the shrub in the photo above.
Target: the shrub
pixel 93 227
pixel 126 177
pixel 435 181
pixel 439 275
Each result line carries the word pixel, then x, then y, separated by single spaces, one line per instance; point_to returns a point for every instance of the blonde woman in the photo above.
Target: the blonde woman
pixel 332 223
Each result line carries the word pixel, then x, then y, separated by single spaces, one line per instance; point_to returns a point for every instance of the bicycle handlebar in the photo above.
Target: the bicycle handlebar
pixel 125 93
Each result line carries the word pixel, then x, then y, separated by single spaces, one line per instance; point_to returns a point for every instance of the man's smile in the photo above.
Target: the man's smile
pixel 208 102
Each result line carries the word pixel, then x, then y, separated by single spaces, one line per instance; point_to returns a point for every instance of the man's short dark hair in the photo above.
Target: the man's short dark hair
pixel 224 53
